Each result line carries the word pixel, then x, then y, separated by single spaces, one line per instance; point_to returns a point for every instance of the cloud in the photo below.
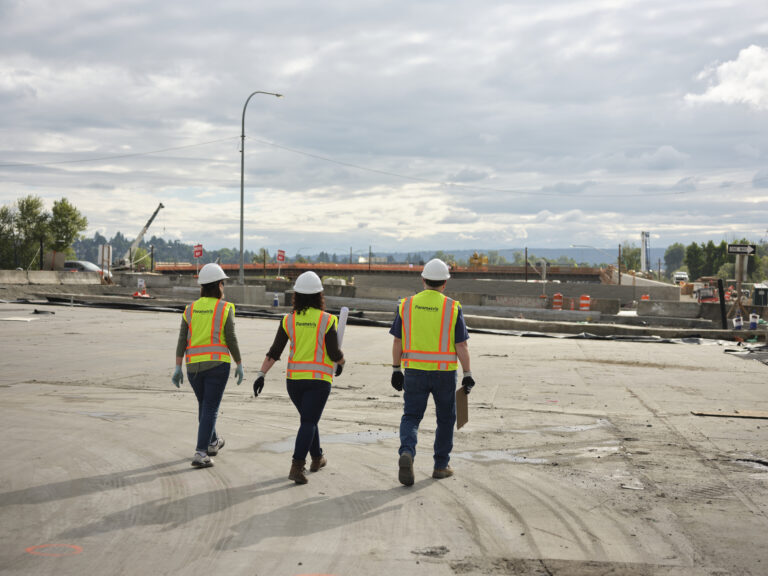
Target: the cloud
pixel 760 180
pixel 740 81
pixel 505 123
pixel 468 175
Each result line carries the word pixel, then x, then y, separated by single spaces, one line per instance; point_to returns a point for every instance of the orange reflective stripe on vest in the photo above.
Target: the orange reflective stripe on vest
pixel 301 365
pixel 208 345
pixel 434 349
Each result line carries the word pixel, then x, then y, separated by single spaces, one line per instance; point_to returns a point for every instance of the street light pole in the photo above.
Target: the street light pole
pixel 241 277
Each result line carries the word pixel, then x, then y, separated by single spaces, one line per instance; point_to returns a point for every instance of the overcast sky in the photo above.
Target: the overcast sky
pixel 405 125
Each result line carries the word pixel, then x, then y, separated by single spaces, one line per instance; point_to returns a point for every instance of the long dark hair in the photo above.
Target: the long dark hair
pixel 211 290
pixel 303 301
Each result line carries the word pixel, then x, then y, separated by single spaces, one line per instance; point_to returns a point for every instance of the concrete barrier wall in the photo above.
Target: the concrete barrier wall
pixel 48 277
pixel 255 295
pixel 668 308
pixel 393 287
pixel 18 277
pixel 78 278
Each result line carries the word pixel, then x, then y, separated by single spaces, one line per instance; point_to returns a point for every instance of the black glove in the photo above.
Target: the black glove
pixel 258 384
pixel 397 379
pixel 467 382
pixel 339 369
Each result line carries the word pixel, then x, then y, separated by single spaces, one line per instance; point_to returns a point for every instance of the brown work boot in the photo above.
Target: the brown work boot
pixel 439 473
pixel 297 472
pixel 405 474
pixel 317 463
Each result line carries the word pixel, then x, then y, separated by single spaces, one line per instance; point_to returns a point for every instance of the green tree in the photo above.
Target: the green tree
pixel 7 238
pixel 711 259
pixel 694 260
pixel 25 224
pixel 447 258
pixel 496 259
pixel 726 271
pixel 674 256
pixel 65 225
pixel 262 256
pixel 630 256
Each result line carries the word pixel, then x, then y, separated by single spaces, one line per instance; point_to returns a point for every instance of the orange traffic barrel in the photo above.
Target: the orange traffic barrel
pixel 584 303
pixel 557 301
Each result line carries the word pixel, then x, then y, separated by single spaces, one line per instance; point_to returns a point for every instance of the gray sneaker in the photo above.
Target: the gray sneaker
pixel 213 449
pixel 201 460
pixel 406 469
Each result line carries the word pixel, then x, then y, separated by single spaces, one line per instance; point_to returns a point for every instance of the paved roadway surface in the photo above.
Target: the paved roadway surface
pixel 580 457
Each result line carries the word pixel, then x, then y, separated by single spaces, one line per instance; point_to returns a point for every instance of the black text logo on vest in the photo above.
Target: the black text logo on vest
pixel 426 308
pixel 312 324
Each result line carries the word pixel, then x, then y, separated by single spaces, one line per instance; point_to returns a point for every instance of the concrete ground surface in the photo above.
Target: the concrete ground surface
pixel 580 457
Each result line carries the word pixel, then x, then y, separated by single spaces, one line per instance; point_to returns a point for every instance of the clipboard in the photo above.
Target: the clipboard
pixel 462 407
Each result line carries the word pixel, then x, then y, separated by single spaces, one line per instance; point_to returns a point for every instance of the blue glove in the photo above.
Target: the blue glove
pixel 239 373
pixel 177 377
pixel 467 382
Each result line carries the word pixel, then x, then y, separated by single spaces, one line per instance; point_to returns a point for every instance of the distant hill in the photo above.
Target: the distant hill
pixel 590 256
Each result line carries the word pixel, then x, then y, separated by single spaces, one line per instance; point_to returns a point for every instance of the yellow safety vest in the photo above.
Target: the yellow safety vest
pixel 205 320
pixel 309 359
pixel 429 324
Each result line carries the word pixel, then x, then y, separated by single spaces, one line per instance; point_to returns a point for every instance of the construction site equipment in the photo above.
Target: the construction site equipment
pixel 126 260
pixel 477 260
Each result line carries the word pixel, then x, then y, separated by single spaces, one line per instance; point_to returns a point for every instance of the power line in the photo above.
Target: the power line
pixel 115 157
pixel 462 185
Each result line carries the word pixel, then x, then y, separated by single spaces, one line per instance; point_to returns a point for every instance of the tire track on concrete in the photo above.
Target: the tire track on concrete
pixel 682 440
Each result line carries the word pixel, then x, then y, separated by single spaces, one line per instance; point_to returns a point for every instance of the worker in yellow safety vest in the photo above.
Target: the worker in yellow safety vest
pixel 313 361
pixel 208 344
pixel 429 337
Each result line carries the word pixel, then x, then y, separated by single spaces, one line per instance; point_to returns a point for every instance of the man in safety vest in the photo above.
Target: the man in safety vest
pixel 429 336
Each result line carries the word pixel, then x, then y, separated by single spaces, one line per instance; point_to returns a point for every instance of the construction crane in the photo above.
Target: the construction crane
pixel 126 261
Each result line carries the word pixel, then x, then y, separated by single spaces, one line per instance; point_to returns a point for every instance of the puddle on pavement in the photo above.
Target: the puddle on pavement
pixel 367 437
pixel 600 423
pixel 498 456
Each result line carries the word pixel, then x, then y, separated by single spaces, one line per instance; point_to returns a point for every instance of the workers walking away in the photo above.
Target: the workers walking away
pixel 429 335
pixel 314 350
pixel 208 343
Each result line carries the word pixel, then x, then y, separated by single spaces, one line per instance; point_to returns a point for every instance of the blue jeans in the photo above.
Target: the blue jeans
pixel 419 384
pixel 309 397
pixel 209 388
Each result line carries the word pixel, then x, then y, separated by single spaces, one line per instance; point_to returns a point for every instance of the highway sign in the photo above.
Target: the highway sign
pixel 198 251
pixel 747 249
pixel 281 255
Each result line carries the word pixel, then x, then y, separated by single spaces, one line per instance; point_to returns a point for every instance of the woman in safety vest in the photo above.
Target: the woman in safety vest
pixel 314 350
pixel 208 343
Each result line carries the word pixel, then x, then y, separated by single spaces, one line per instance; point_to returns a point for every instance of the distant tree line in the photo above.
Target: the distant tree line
pixel 712 260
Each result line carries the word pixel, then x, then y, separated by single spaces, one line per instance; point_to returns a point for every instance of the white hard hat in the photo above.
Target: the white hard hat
pixel 211 273
pixel 435 269
pixel 308 283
